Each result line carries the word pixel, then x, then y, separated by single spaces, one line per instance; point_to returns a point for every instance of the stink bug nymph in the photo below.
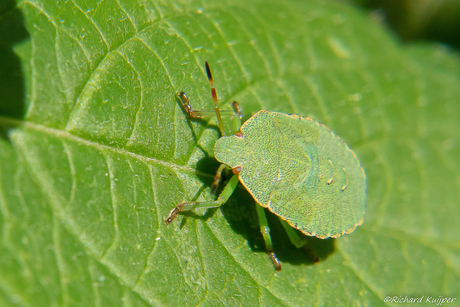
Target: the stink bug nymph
pixel 294 166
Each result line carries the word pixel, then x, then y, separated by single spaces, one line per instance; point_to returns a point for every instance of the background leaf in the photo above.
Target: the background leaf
pixel 95 151
pixel 418 20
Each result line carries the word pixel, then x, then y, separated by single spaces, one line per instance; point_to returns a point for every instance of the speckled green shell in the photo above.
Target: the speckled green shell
pixel 300 170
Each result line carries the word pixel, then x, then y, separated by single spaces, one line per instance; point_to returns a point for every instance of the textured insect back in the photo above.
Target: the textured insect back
pixel 252 152
pixel 297 127
pixel 299 170
pixel 338 186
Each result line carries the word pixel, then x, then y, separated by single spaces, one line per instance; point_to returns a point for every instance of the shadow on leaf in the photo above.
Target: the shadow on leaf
pixel 240 213
pixel 12 89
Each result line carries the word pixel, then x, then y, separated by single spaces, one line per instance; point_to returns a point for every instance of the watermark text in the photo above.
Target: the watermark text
pixel 437 301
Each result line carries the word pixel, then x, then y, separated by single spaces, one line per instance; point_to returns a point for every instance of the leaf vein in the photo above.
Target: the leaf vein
pixel 111 173
pixel 136 115
pixel 240 264
pixel 93 23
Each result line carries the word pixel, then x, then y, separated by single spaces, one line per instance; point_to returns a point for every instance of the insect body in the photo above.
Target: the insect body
pixel 294 166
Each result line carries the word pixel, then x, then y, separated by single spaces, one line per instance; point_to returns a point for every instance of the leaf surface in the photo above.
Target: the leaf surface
pixel 96 150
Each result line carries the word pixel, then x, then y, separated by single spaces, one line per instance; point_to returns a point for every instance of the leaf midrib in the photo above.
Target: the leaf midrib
pixel 101 147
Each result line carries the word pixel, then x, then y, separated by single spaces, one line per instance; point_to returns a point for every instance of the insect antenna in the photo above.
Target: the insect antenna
pixel 214 98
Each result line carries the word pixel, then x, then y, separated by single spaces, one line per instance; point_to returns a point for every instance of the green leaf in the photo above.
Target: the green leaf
pixel 96 150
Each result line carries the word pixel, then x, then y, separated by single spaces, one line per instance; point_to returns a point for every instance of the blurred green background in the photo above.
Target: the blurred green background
pixel 425 20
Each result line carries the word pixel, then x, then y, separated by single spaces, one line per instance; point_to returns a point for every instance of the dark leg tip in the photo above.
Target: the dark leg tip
pixel 275 261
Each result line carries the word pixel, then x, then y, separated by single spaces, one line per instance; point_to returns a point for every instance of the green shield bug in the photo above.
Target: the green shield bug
pixel 294 166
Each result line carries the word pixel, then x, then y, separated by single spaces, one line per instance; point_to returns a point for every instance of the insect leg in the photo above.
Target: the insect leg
pixel 293 236
pixel 237 119
pixel 222 199
pixel 297 241
pixel 188 108
pixel 237 110
pixel 217 178
pixel 265 230
pixel 198 113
